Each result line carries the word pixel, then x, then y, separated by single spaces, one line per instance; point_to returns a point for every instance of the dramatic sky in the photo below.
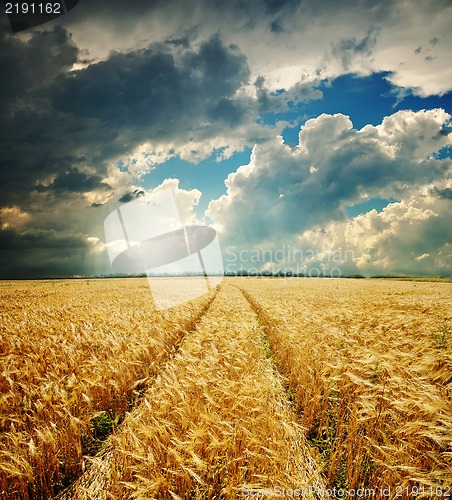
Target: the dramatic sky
pixel 311 134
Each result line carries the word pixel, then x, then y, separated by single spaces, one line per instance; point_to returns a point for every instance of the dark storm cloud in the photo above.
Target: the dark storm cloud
pixel 153 92
pixel 11 239
pixel 39 147
pixel 227 110
pixel 74 180
pixel 38 253
pixel 36 142
pixel 61 129
pixel 28 66
pixel 54 120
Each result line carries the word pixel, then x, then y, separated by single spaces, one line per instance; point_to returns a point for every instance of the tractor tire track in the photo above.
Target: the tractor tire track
pixel 222 386
pixel 96 472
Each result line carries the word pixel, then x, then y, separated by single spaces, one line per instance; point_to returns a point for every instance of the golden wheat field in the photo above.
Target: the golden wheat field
pixel 266 387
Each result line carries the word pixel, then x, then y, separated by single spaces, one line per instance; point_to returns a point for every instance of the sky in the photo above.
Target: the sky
pixel 312 135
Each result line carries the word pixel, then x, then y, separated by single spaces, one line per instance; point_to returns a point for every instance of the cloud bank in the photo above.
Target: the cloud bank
pixel 89 108
pixel 297 196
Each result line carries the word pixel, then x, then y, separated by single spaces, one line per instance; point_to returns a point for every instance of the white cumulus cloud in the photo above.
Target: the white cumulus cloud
pixel 297 196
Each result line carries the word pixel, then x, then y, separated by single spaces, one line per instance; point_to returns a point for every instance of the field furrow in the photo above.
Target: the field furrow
pixel 75 357
pixel 368 366
pixel 214 424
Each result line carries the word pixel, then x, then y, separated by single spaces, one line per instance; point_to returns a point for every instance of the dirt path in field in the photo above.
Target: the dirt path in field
pixel 367 368
pixel 215 423
pixel 98 466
